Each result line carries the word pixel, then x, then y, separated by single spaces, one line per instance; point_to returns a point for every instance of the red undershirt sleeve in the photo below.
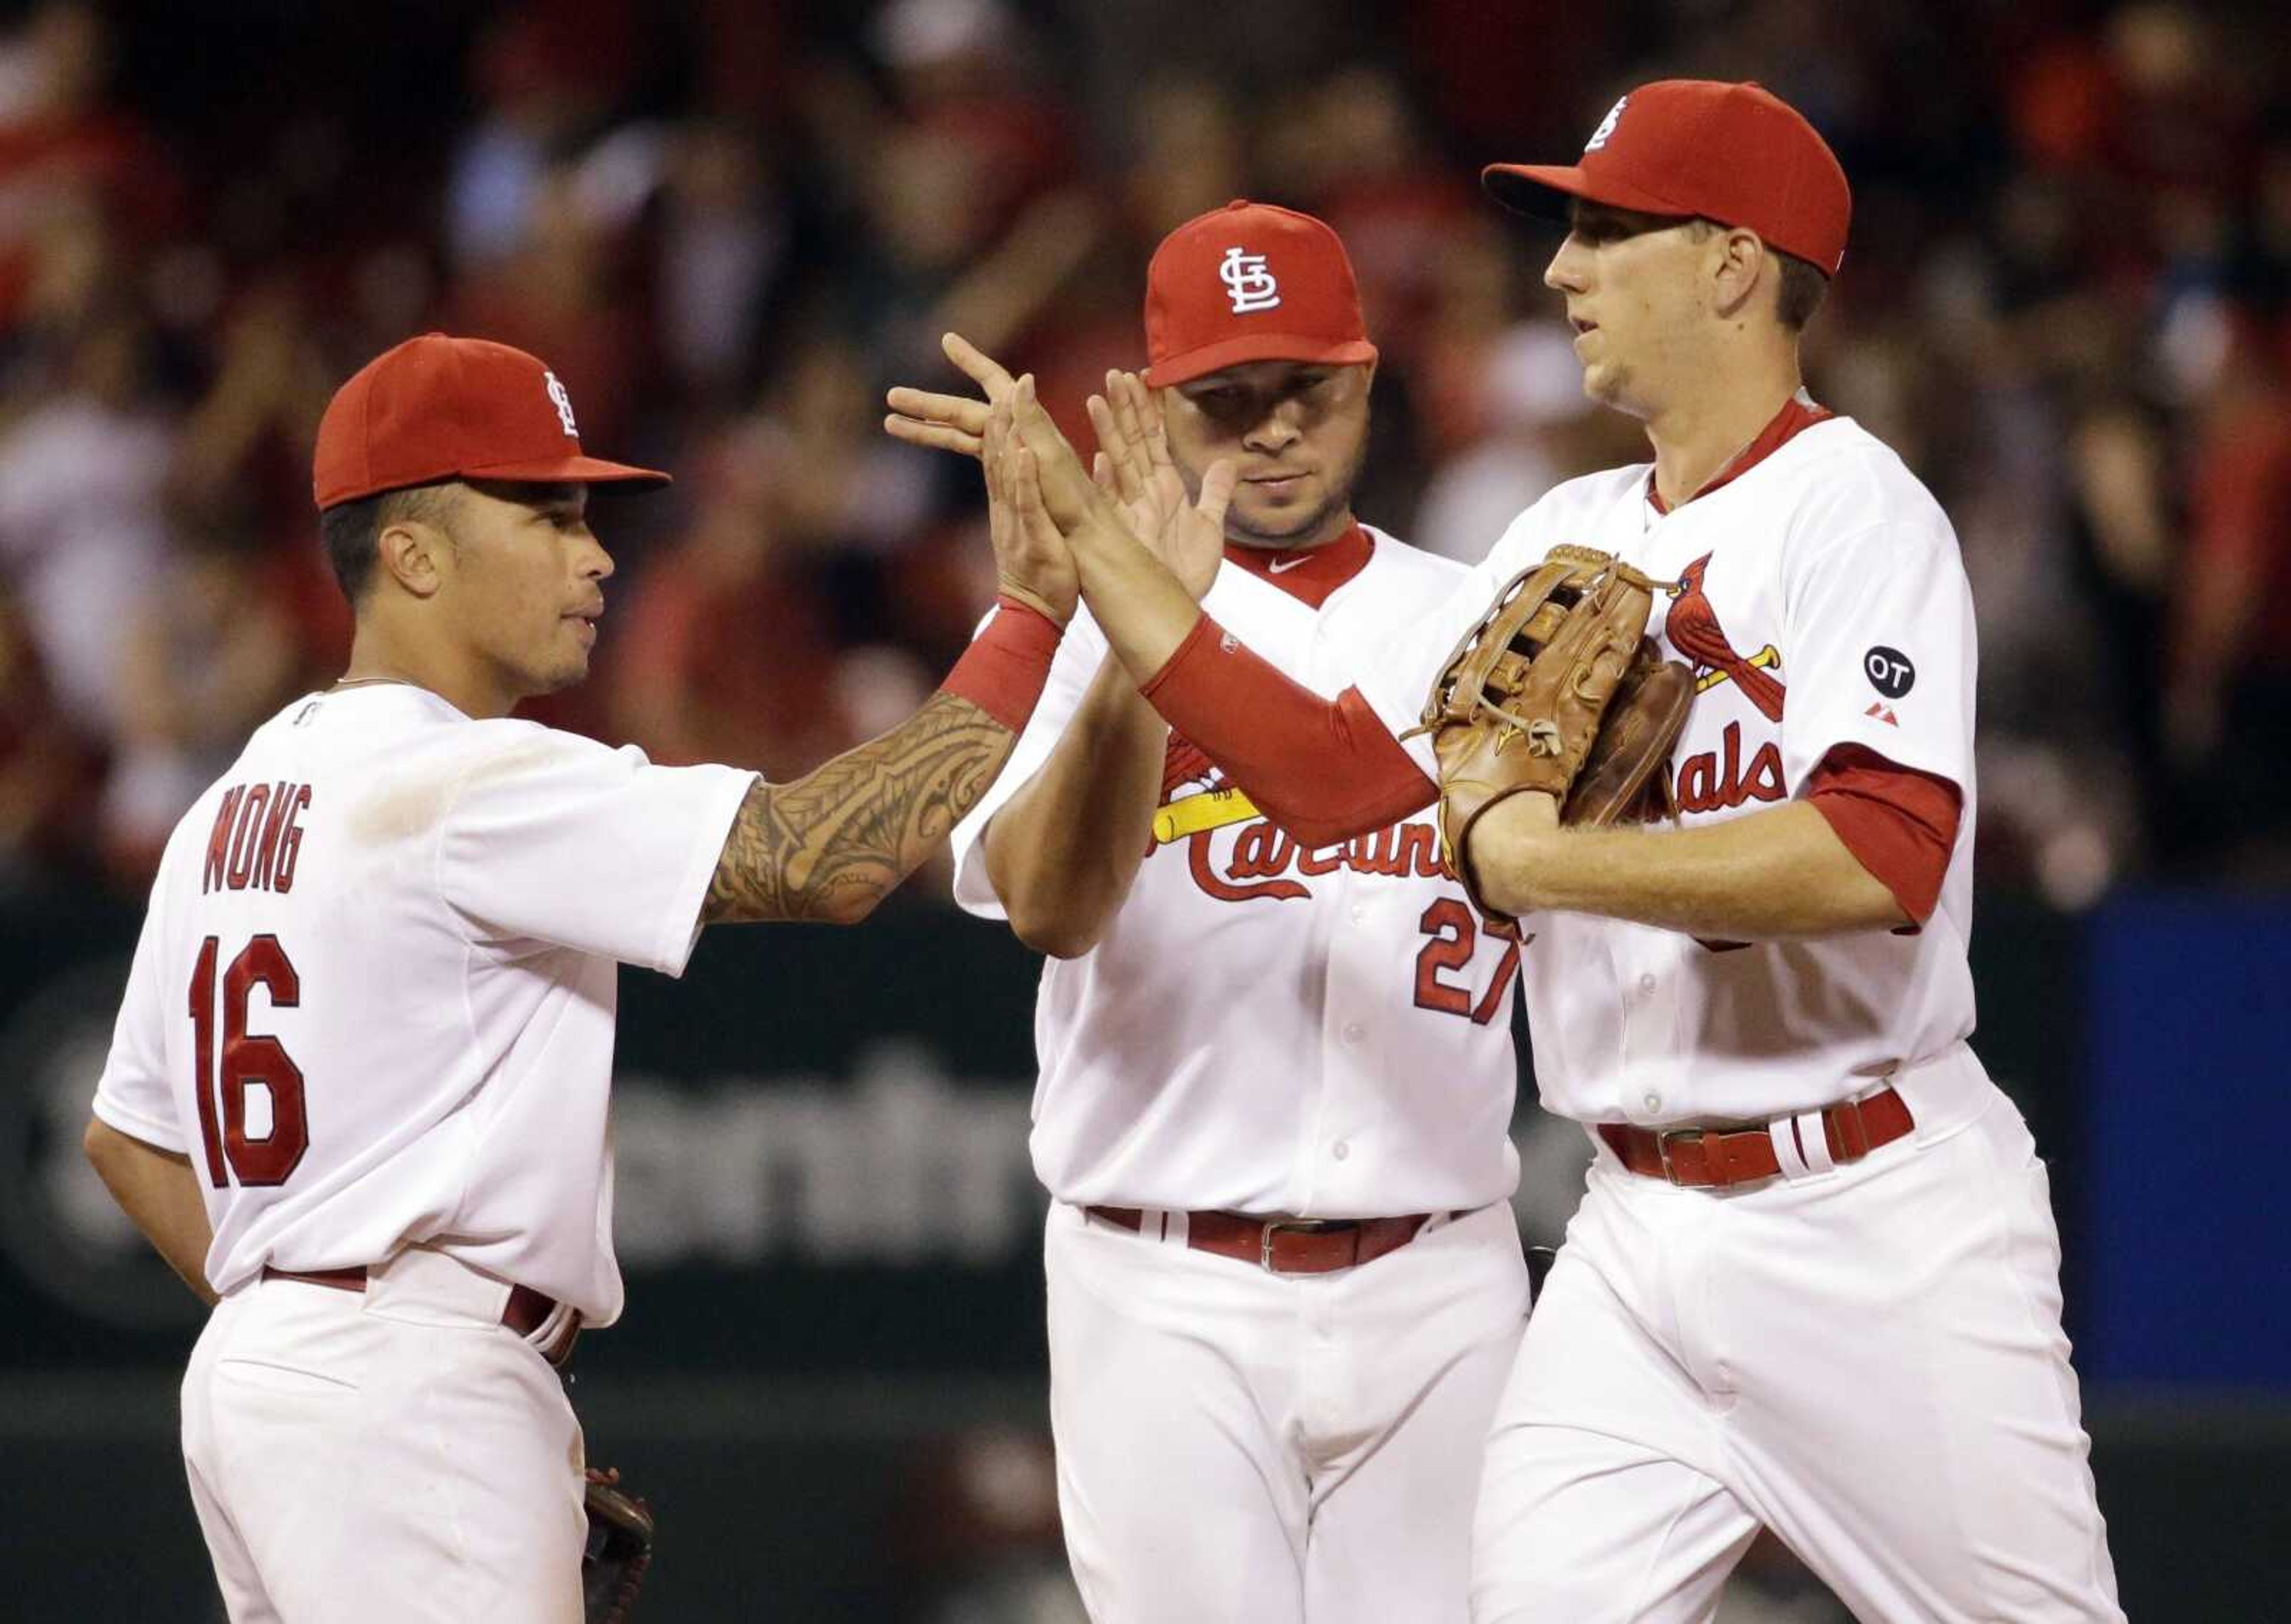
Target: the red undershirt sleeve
pixel 1323 770
pixel 1900 824
pixel 1003 671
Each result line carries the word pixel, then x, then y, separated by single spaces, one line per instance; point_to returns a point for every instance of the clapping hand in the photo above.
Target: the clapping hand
pixel 1134 466
pixel 1135 494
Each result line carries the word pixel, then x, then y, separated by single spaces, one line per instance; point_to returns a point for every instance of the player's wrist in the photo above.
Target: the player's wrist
pixel 1507 852
pixel 1003 671
pixel 1015 594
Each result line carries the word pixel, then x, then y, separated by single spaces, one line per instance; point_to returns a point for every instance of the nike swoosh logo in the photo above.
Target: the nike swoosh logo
pixel 1286 564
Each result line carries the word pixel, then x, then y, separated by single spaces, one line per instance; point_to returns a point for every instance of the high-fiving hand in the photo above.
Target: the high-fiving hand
pixel 1134 463
pixel 1031 560
pixel 961 424
pixel 1134 494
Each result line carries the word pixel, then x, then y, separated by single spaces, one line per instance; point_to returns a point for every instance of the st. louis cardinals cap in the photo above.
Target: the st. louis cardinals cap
pixel 1251 282
pixel 1737 154
pixel 437 407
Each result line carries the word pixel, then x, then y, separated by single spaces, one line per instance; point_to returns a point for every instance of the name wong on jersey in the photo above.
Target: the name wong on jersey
pixel 257 838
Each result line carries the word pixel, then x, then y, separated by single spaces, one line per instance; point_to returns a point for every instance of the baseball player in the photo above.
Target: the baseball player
pixel 1815 1280
pixel 358 1091
pixel 1284 1282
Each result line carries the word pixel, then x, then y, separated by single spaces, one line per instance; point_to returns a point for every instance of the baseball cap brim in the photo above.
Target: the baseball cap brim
pixel 1543 189
pixel 1188 364
pixel 567 471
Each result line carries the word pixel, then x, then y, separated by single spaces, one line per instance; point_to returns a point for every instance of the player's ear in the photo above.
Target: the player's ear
pixel 1740 265
pixel 416 553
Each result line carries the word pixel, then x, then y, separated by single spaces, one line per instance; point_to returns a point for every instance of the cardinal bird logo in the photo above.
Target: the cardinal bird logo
pixel 1693 630
pixel 1212 806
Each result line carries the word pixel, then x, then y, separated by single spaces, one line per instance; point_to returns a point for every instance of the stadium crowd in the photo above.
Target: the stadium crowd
pixel 728 226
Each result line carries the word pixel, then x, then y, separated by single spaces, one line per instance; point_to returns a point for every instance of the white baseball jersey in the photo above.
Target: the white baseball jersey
pixel 1821 603
pixel 375 994
pixel 1267 1028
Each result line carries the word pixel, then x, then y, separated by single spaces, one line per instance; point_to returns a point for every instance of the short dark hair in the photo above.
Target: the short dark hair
pixel 1801 287
pixel 1801 284
pixel 349 530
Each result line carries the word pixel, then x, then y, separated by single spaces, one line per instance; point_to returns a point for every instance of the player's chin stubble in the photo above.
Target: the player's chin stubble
pixel 1339 500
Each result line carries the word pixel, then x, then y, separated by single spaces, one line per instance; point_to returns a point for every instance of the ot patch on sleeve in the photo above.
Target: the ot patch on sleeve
pixel 1889 671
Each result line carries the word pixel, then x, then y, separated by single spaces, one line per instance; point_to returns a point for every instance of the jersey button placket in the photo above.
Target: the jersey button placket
pixel 1645 1033
pixel 1659 1040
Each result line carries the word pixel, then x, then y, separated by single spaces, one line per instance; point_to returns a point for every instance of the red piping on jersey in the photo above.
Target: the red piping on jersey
pixel 1797 416
pixel 1324 772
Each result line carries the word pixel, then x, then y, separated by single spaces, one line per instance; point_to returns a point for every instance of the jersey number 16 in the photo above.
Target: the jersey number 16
pixel 222 1079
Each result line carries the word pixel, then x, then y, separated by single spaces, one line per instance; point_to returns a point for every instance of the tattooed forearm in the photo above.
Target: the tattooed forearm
pixel 832 845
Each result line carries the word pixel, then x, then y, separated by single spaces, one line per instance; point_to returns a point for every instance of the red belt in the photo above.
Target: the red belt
pixel 524 1312
pixel 1705 1159
pixel 1283 1245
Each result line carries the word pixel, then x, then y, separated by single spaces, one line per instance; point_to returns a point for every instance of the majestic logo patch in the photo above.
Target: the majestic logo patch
pixel 1607 127
pixel 1889 671
pixel 1692 627
pixel 1249 282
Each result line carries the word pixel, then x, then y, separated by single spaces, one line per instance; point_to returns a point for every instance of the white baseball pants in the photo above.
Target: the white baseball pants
pixel 1869 1362
pixel 392 1456
pixel 1238 1447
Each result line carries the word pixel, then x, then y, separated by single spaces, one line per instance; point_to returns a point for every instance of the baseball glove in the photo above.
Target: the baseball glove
pixel 1559 688
pixel 619 1550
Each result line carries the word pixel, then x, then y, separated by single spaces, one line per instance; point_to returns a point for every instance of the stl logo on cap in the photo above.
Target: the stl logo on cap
pixel 1249 281
pixel 563 402
pixel 1607 125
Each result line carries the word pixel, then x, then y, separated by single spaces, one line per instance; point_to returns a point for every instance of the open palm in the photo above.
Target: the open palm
pixel 1133 465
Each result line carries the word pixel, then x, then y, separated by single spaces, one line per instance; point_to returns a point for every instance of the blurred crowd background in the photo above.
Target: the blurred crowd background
pixel 729 224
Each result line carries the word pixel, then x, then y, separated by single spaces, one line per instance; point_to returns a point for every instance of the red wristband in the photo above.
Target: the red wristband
pixel 1003 670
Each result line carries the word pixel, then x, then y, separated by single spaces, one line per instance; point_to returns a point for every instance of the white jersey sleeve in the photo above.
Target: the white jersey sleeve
pixel 1880 630
pixel 1072 671
pixel 134 1094
pixel 558 839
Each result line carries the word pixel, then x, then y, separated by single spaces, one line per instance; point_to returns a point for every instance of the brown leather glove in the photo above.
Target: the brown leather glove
pixel 1559 688
pixel 619 1549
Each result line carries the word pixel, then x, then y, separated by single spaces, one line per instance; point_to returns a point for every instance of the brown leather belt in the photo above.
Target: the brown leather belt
pixel 524 1312
pixel 1284 1245
pixel 1708 1159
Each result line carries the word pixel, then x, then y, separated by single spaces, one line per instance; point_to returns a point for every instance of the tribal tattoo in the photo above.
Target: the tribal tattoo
pixel 834 843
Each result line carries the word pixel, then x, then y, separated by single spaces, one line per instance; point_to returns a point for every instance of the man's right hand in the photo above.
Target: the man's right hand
pixel 1031 562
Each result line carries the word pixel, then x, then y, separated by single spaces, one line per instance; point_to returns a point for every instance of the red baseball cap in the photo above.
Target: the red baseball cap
pixel 1251 282
pixel 1737 154
pixel 437 407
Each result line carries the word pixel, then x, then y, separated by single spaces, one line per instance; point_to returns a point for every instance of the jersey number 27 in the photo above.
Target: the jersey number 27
pixel 1455 938
pixel 223 1076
